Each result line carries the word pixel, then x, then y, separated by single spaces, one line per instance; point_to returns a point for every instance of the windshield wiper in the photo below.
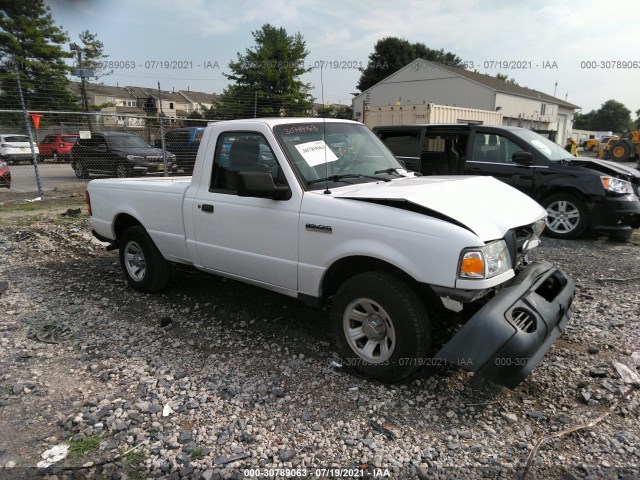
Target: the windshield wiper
pixel 341 178
pixel 388 171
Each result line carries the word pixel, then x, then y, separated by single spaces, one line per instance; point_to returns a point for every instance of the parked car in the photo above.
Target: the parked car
pixel 5 175
pixel 15 147
pixel 184 143
pixel 117 154
pixel 580 194
pixel 57 146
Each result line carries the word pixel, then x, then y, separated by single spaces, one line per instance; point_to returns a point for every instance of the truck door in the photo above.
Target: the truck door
pixel 490 152
pixel 250 238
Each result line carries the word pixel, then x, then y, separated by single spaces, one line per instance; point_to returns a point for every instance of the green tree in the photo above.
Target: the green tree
pixel 637 126
pixel 506 79
pixel 93 55
pixel 267 78
pixel 31 45
pixel 584 121
pixel 390 54
pixel 612 115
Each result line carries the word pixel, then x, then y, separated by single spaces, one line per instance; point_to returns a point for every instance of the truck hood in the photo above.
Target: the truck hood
pixel 484 205
pixel 607 167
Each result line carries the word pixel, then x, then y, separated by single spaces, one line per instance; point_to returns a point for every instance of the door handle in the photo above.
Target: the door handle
pixel 207 208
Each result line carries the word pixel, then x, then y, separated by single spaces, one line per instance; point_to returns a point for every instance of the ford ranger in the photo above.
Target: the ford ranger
pixel 322 211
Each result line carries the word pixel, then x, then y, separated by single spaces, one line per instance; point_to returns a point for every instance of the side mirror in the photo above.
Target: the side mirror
pixel 260 185
pixel 525 158
pixel 157 143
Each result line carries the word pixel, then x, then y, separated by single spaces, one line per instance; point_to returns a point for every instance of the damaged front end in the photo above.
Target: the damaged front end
pixel 510 334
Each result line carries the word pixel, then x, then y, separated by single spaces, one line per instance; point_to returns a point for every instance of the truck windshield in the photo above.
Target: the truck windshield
pixel 546 147
pixel 341 152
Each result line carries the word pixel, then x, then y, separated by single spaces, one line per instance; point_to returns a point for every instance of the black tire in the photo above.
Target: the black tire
pixel 143 265
pixel 122 171
pixel 396 318
pixel 41 158
pixel 80 170
pixel 566 216
pixel 619 151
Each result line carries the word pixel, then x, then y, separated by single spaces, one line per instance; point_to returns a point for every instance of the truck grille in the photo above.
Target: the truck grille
pixel 523 320
pixel 516 239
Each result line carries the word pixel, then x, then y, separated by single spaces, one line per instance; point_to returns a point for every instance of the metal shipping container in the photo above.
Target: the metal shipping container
pixel 427 113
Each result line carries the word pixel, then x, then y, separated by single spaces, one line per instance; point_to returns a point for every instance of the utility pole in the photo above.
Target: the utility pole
pixel 83 74
pixel 160 117
pixel 27 123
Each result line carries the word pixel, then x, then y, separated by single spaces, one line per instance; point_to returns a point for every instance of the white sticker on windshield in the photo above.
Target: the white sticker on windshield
pixel 541 146
pixel 316 153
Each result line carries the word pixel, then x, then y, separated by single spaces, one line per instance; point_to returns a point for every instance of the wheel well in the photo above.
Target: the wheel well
pixel 346 268
pixel 552 191
pixel 124 221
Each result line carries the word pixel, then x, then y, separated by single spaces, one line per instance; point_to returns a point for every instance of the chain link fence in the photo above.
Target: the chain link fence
pixel 46 143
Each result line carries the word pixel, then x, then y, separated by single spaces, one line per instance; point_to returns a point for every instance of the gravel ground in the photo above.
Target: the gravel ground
pixel 213 377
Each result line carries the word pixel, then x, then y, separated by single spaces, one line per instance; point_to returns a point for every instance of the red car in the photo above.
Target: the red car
pixel 5 175
pixel 57 146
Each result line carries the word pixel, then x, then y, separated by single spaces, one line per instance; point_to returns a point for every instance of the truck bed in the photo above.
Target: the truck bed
pixel 157 200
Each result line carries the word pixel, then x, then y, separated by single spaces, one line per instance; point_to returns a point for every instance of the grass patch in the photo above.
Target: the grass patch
pixel 78 448
pixel 197 453
pixel 137 476
pixel 133 458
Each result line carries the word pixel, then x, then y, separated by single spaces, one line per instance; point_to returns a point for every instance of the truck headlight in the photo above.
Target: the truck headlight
pixel 615 185
pixel 486 262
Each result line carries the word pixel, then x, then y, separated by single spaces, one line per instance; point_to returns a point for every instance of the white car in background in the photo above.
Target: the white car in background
pixel 15 147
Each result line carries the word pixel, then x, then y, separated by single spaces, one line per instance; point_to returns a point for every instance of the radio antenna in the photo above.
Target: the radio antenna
pixel 324 137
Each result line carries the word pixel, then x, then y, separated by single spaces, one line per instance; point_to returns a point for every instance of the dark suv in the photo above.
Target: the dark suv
pixel 117 155
pixel 183 143
pixel 578 193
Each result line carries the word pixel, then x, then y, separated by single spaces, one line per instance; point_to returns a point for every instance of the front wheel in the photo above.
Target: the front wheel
pixel 142 263
pixel 619 151
pixel 122 171
pixel 566 216
pixel 80 170
pixel 381 326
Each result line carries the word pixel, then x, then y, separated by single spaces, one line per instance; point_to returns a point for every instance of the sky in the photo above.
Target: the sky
pixel 584 51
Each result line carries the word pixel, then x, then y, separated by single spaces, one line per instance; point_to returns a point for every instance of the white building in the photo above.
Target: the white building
pixel 424 82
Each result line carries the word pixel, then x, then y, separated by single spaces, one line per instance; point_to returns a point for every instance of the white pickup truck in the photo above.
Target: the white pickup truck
pixel 322 211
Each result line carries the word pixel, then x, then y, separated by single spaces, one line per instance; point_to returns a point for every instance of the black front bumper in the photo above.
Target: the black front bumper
pixel 615 214
pixel 509 335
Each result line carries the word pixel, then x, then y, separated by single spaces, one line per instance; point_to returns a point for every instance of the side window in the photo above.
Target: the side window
pixel 493 148
pixel 242 152
pixel 443 153
pixel 402 144
pixel 48 139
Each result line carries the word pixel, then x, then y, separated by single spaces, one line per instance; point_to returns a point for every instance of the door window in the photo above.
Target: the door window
pixel 242 152
pixel 493 148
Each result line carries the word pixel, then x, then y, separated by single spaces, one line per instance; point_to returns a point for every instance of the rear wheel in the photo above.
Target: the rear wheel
pixel 619 151
pixel 381 326
pixel 80 170
pixel 142 263
pixel 566 216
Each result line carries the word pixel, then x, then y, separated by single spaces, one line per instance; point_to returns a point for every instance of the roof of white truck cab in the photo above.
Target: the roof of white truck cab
pixel 274 121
